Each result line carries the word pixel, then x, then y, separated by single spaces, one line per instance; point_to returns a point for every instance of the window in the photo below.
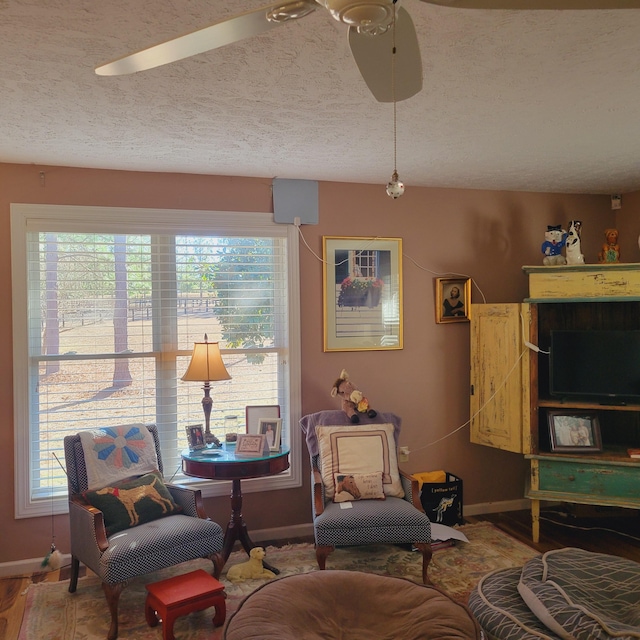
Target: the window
pixel 364 264
pixel 107 305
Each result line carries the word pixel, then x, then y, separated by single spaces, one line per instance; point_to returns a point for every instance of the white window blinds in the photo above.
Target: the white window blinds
pixel 112 308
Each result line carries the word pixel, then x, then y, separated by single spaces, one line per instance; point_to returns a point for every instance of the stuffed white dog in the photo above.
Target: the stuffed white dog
pixel 574 253
pixel 252 569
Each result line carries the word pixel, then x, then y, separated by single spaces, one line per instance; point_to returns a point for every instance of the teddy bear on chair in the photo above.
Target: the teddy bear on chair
pixel 353 402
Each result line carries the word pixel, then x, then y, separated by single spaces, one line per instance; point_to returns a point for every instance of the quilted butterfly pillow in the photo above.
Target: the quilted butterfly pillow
pixel 112 454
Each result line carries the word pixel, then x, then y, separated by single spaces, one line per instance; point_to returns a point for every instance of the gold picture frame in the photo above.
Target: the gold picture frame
pixel 362 293
pixel 453 299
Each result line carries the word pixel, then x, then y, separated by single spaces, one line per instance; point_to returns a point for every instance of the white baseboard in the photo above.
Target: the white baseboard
pixel 283 533
pixel 496 507
pixel 29 566
pixel 32 565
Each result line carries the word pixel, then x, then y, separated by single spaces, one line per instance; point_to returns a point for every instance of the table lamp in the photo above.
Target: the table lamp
pixel 206 365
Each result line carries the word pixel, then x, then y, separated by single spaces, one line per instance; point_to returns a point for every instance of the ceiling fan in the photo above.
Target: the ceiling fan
pixel 382 38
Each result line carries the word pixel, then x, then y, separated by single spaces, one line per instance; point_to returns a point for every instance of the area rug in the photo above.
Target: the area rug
pixel 52 613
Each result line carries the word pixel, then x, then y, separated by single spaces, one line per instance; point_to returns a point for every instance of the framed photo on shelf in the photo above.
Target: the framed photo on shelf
pixel 272 429
pixel 254 413
pixel 574 431
pixel 362 293
pixel 453 299
pixel 195 437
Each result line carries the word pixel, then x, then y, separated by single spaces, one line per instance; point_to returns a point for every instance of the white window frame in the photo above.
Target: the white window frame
pixel 30 217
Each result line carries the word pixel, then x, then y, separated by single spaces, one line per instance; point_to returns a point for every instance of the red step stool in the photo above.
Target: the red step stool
pixel 178 596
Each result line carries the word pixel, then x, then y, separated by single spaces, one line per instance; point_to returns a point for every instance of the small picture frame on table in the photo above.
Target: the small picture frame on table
pixel 251 446
pixel 453 299
pixel 272 429
pixel 195 437
pixel 254 413
pixel 574 431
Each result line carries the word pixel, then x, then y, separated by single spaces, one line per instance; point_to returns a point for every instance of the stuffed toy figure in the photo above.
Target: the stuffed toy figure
pixel 353 402
pixel 610 249
pixel 252 569
pixel 572 245
pixel 555 237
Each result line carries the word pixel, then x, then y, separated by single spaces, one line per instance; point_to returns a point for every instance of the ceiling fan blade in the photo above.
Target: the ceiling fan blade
pixel 218 34
pixel 373 55
pixel 537 4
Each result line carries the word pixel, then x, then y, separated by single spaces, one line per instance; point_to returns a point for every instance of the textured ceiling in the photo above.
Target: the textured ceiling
pixel 514 100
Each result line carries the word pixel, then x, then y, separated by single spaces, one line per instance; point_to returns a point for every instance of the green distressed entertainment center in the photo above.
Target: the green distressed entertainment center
pixel 510 389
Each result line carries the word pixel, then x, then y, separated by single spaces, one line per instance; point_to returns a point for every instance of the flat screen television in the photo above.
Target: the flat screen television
pixel 596 365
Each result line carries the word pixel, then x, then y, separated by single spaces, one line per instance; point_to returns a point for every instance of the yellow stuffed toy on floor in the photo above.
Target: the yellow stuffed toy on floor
pixel 252 569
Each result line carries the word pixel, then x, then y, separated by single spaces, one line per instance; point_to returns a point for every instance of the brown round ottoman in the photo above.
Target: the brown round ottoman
pixel 349 605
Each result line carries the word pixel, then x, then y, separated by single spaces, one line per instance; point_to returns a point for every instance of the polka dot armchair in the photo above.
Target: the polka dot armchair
pixel 141 548
pixel 396 519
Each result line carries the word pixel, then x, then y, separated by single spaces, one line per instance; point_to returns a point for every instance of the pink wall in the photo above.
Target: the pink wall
pixel 628 224
pixel 486 235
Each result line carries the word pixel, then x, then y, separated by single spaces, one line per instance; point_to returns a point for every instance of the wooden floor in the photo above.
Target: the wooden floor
pixel 574 526
pixel 559 527
pixel 12 600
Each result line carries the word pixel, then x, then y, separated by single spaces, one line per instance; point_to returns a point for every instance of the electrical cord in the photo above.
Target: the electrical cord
pixel 404 255
pixel 528 344
pixel 581 528
pixel 484 300
pixel 447 273
pixel 178 468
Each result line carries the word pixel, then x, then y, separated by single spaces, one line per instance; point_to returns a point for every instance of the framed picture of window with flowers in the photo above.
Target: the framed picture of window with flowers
pixel 362 293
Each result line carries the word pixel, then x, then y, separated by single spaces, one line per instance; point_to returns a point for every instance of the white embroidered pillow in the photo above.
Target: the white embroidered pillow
pixel 358 486
pixel 116 453
pixel 368 448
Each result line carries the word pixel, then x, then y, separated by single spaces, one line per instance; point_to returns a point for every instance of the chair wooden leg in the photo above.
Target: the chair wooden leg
pixel 218 564
pixel 322 552
pixel 425 549
pixel 112 592
pixel 75 570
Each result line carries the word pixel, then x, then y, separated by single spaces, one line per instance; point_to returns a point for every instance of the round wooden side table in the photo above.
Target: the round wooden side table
pixel 223 464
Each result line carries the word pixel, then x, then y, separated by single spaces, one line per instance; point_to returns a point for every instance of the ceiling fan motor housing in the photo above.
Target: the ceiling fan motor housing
pixel 360 13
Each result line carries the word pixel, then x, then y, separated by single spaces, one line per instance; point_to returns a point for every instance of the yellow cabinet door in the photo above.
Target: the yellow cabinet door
pixel 500 380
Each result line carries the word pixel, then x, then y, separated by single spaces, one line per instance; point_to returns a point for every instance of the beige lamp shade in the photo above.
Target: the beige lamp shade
pixel 206 363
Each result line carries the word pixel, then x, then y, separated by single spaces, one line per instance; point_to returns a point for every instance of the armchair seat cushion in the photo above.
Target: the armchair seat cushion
pixel 158 544
pixel 393 520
